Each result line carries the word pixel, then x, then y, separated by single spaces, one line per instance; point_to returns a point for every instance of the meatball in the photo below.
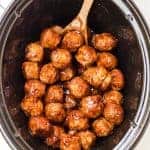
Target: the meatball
pixel 106 83
pixel 113 97
pixel 34 88
pixel 104 41
pixel 107 60
pixel 117 80
pixel 55 112
pixel 87 139
pixel 86 55
pixel 72 40
pixel 70 142
pixel 70 102
pixel 102 127
pixel 78 87
pixel 49 74
pixel 61 58
pixel 34 52
pixel 95 75
pixel 30 70
pixel 50 38
pixel 67 74
pixel 76 120
pixel 40 126
pixel 32 106
pixel 114 113
pixel 92 106
pixel 54 139
pixel 54 94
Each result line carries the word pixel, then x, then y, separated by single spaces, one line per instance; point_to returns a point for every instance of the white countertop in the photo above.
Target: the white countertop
pixel 144 6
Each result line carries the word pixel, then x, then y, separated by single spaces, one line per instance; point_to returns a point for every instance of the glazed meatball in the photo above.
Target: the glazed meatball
pixel 95 75
pixel 49 74
pixel 70 142
pixel 40 126
pixel 87 139
pixel 102 127
pixel 106 82
pixel 107 60
pixel 70 102
pixel 54 94
pixel 86 55
pixel 32 106
pixel 67 74
pixel 104 41
pixel 92 106
pixel 76 120
pixel 50 38
pixel 34 88
pixel 54 139
pixel 117 80
pixel 61 58
pixel 72 40
pixel 34 52
pixel 113 97
pixel 114 113
pixel 78 87
pixel 30 70
pixel 55 112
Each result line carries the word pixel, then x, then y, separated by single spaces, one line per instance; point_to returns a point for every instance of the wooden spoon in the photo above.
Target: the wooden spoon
pixel 80 21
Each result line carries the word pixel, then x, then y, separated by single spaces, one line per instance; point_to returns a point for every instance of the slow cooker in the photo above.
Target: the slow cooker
pixel 23 22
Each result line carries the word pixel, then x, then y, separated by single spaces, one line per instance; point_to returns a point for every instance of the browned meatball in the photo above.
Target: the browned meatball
pixel 49 74
pixel 114 113
pixel 70 102
pixel 32 106
pixel 35 88
pixel 95 75
pixel 40 126
pixel 87 139
pixel 78 87
pixel 54 94
pixel 34 52
pixel 70 142
pixel 61 58
pixel 55 112
pixel 102 127
pixel 104 41
pixel 30 70
pixel 67 74
pixel 86 55
pixel 54 139
pixel 92 106
pixel 50 38
pixel 113 97
pixel 72 40
pixel 107 60
pixel 76 120
pixel 117 79
pixel 106 82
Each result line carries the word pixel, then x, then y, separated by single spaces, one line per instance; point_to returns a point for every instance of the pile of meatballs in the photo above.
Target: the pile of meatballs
pixel 74 96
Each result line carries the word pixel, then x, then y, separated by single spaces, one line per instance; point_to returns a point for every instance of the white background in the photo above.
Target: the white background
pixel 144 6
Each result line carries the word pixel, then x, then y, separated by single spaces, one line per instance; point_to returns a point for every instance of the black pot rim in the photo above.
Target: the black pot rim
pixel 140 122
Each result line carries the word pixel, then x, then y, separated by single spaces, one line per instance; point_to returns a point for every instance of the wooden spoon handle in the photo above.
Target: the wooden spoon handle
pixel 80 22
pixel 83 14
